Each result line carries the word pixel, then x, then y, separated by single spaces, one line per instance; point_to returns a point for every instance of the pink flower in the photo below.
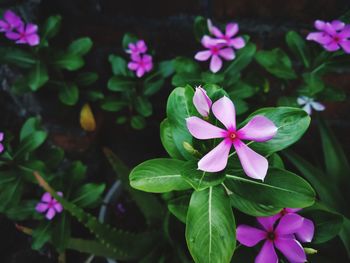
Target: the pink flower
pixel 49 205
pixel 259 129
pixel 141 64
pixel 230 31
pixel 309 104
pixel 202 102
pixel 10 22
pixel 279 235
pixel 331 35
pixel 216 51
pixel 1 139
pixel 26 34
pixel 137 48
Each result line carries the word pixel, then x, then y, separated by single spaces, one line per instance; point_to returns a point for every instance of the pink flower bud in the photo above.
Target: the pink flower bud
pixel 202 102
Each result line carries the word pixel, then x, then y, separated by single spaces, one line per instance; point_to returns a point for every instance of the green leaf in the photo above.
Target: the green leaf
pixel 345 235
pixel 95 95
pixel 24 210
pixel 241 90
pixel 138 122
pixel 298 46
pixel 200 27
pixel 61 232
pixel 180 107
pixel 198 179
pixel 118 64
pixel 54 155
pixel 143 106
pixel 31 125
pixel 291 123
pixel 127 39
pixel 331 93
pixel 166 68
pixel 179 207
pixel 183 79
pixel 287 102
pixel 17 57
pixel 210 226
pixel 11 193
pixel 276 161
pixel 76 173
pixel 276 62
pixel 280 189
pixel 112 104
pixel 313 84
pixel 38 76
pixel 89 195
pixel 153 84
pixel 212 78
pixel 80 46
pixel 31 143
pixel 166 136
pixel 69 61
pixel 69 94
pixel 41 235
pixel 158 176
pixel 86 78
pixel 51 27
pixel 185 65
pixel 122 84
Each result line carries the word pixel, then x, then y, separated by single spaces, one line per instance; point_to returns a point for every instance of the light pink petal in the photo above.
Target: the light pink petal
pixel 46 197
pixel 225 112
pixel 202 102
pixel 237 42
pixel 231 29
pixel 31 28
pixel 208 42
pixel 140 72
pixel 12 35
pixel 320 25
pixel 133 65
pixel 141 45
pixel 249 236
pixel 292 210
pixel 291 249
pixel 259 129
pixel 135 57
pixel 41 207
pixel 148 66
pixel 215 63
pixel 337 24
pixel 1 148
pixel 58 207
pixel 306 232
pixel 307 108
pixel 267 254
pixel 345 33
pixel 33 39
pixel 329 29
pixel 203 130
pixel 254 165
pixel 1 136
pixel 227 53
pixel 317 106
pixel 50 213
pixel 345 44
pixel 147 58
pixel 289 224
pixel 332 46
pixel 60 194
pixel 267 222
pixel 203 55
pixel 319 37
pixel 216 32
pixel 216 159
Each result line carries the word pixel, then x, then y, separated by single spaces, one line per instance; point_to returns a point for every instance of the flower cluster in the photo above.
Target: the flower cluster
pixel 220 45
pixel 331 35
pixel 15 29
pixel 140 61
pixel 309 104
pixel 49 205
pixel 258 129
pixel 284 231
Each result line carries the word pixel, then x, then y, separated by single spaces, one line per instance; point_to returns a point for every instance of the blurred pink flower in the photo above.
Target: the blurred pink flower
pixel 10 21
pixel 1 139
pixel 140 64
pixel 26 34
pixel 202 102
pixel 49 205
pixel 137 48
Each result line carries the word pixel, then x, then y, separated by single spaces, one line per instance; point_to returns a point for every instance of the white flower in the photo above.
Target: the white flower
pixel 309 104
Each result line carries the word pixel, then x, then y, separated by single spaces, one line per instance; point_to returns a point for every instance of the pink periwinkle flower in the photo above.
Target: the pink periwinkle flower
pixel 26 34
pixel 331 35
pixel 49 205
pixel 202 102
pixel 10 21
pixel 277 234
pixel 216 51
pixel 139 47
pixel 140 64
pixel 2 148
pixel 309 104
pixel 259 129
pixel 231 30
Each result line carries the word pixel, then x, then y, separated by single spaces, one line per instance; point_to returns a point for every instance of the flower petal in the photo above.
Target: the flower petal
pixel 46 197
pixel 292 210
pixel 227 53
pixel 231 29
pixel 216 159
pixel 140 72
pixel 337 24
pixel 254 164
pixel 12 35
pixel 216 32
pixel 320 25
pixel 203 130
pixel 133 66
pixel 306 232
pixel 2 148
pixel 41 207
pixel 202 102
pixel 33 39
pixel 302 100
pixel 58 207
pixel 237 42
pixel 249 236
pixel 31 28
pixel 1 136
pixel 12 18
pixel 224 111
pixel 307 108
pixel 291 249
pixel 259 129
pixel 203 55
pixel 332 46
pixel 267 222
pixel 215 63
pixel 345 44
pixel 141 46
pixel 50 213
pixel 317 106
pixel 319 37
pixel 345 33
pixel 267 254
pixel 289 224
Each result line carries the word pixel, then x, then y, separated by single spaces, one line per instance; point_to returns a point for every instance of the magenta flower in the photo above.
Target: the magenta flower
pixel 279 235
pixel 216 51
pixel 259 129
pixel 202 102
pixel 2 148
pixel 10 21
pixel 49 205
pixel 230 31
pixel 331 35
pixel 26 34
pixel 137 48
pixel 141 64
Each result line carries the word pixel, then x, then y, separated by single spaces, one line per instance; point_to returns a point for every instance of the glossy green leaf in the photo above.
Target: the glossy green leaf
pixel 118 64
pixel 179 207
pixel 166 136
pixel 200 27
pixel 38 76
pixel 17 57
pixel 31 125
pixel 241 90
pixel 51 26
pixel 31 143
pixel 69 94
pixel 112 104
pixel 158 176
pixel 69 61
pixel 61 232
pixel 345 235
pixel 138 122
pixel 298 46
pixel 210 226
pixel 185 65
pixel 80 46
